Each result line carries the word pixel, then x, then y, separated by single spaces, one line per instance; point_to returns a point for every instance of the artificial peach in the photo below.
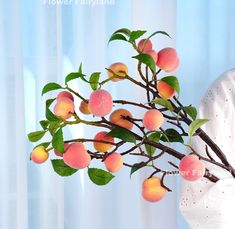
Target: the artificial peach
pixel 152 190
pixel 100 103
pixel 84 108
pixel 64 108
pixel 165 90
pixel 100 146
pixel 153 54
pixel 117 118
pixel 66 94
pixel 153 119
pixel 39 155
pixel 168 59
pixel 113 162
pixel 119 69
pixel 76 156
pixel 59 154
pixel 191 168
pixel 144 45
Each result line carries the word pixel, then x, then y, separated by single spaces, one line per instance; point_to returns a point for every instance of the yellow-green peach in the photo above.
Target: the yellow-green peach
pixel 84 108
pixel 165 90
pixel 117 118
pixel 113 162
pixel 100 146
pixel 39 155
pixel 119 69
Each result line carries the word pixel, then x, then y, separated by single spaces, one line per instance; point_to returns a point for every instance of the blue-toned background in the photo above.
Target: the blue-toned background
pixel 41 41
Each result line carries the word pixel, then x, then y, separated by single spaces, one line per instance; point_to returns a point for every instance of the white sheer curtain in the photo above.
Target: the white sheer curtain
pixel 42 42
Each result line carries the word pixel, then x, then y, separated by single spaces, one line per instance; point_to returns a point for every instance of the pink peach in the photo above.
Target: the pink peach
pixel 64 108
pixel 191 168
pixel 39 155
pixel 119 69
pixel 117 118
pixel 153 119
pixel 66 94
pixel 144 45
pixel 76 156
pixel 165 90
pixel 103 147
pixel 100 103
pixel 168 59
pixel 113 162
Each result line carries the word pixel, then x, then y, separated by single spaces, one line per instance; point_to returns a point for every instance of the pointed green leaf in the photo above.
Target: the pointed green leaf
pixel 195 125
pixel 99 176
pixel 80 68
pixel 61 168
pixel 163 102
pixel 124 31
pixel 191 111
pixel 36 136
pixel 136 34
pixel 58 141
pixel 50 87
pixel 172 135
pixel 94 80
pixel 154 137
pixel 173 82
pixel 72 76
pixel 50 116
pixel 159 32
pixel 44 124
pixel 44 144
pixel 136 167
pixel 146 59
pixel 53 126
pixel 123 134
pixel 117 37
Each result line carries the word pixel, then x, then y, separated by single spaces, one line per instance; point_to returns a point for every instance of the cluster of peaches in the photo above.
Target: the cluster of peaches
pixel 100 104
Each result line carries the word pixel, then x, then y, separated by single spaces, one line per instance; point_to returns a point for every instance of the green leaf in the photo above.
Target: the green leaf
pixel 172 135
pixel 80 69
pixel 61 168
pixel 163 102
pixel 117 36
pixel 146 59
pixel 124 31
pixel 159 32
pixel 44 124
pixel 195 125
pixel 45 144
pixel 173 82
pixel 49 102
pixel 154 137
pixel 136 34
pixel 72 76
pixel 191 111
pixel 53 126
pixel 50 116
pixel 99 176
pixel 136 167
pixel 58 141
pixel 36 136
pixel 94 80
pixel 50 87
pixel 123 134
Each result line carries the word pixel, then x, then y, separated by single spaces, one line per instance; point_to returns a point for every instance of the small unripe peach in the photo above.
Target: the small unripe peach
pixel 168 59
pixel 191 168
pixel 117 118
pixel 152 190
pixel 39 155
pixel 84 108
pixel 64 108
pixel 119 69
pixel 76 156
pixel 113 162
pixel 144 45
pixel 165 90
pixel 153 119
pixel 66 94
pixel 103 147
pixel 59 154
pixel 153 54
pixel 100 103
